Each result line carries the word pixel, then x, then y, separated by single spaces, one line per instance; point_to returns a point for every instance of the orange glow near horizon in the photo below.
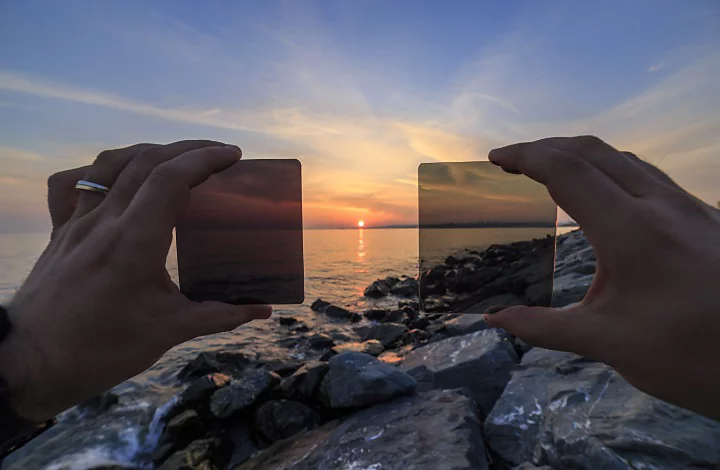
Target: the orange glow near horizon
pixel 361 223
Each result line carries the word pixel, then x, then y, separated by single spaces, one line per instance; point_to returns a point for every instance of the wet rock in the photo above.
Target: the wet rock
pixel 481 362
pixel 419 323
pixel 98 404
pixel 387 333
pixel 356 380
pixel 415 337
pixel 280 419
pixel 566 411
pixel 413 304
pixel 198 393
pixel 286 321
pixel 376 314
pixel 394 316
pixel 196 456
pixel 229 363
pixel 372 347
pixel 391 280
pixel 321 341
pixel 465 324
pixel 333 311
pixel 240 394
pixel 305 381
pixel 283 367
pixel 377 289
pixel 437 430
pixel 179 432
pixel 407 287
pixel 435 304
pixel 299 327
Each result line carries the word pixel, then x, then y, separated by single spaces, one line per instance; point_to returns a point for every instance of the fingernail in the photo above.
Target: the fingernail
pixel 495 309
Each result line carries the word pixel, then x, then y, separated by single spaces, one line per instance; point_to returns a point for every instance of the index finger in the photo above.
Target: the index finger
pixel 165 194
pixel 587 194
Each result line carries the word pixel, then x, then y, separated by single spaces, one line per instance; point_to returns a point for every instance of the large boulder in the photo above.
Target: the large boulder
pixel 377 289
pixel 407 287
pixel 481 362
pixel 208 362
pixel 333 311
pixel 568 412
pixel 280 419
pixel 437 430
pixel 355 380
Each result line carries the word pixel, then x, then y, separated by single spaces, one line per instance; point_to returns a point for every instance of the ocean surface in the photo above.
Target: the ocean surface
pixel 339 264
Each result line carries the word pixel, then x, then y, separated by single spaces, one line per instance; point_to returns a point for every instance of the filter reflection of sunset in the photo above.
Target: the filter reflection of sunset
pixel 361 223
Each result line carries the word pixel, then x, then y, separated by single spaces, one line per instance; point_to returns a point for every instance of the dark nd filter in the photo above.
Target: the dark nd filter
pixel 241 239
pixel 486 238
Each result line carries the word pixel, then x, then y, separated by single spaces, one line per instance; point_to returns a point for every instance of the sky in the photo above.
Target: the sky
pixel 480 192
pixel 360 92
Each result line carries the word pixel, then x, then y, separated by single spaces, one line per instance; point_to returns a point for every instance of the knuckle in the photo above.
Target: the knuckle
pixel 589 141
pixel 105 156
pixel 55 180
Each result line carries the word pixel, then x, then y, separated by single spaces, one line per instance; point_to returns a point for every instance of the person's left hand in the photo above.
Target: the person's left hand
pixel 99 306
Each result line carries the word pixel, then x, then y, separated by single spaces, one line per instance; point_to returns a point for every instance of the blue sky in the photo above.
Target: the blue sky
pixel 360 91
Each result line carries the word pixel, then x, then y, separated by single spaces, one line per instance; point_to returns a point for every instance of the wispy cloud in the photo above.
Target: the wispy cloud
pixel 656 67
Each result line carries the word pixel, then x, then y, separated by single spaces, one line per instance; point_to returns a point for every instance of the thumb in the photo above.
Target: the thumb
pixel 205 318
pixel 574 329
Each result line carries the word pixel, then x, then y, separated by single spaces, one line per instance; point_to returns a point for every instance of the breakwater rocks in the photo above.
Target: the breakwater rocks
pixel 423 389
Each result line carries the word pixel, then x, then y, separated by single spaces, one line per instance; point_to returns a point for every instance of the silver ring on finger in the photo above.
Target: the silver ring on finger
pixel 92 187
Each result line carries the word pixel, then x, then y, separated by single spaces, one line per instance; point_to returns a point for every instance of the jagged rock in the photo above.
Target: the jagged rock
pixel 98 404
pixel 286 321
pixel 280 419
pixel 387 333
pixel 321 341
pixel 240 394
pixel 379 288
pixel 283 367
pixel 433 431
pixel 299 327
pixel 229 363
pixel 305 381
pixel 566 411
pixel 481 362
pixel 406 288
pixel 355 380
pixel 196 456
pixel 372 347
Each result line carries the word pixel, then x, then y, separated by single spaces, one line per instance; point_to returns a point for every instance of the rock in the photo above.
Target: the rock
pixel 391 280
pixel 334 311
pixel 470 279
pixel 433 431
pixel 377 289
pixel 586 268
pixel 387 333
pixel 280 419
pixel 435 304
pixel 530 466
pixel 179 432
pixel 407 287
pixel 481 362
pixel 285 321
pixel 196 456
pixel 355 380
pixel 98 404
pixel 419 323
pixel 198 393
pixel 502 299
pixel 375 314
pixel 394 316
pixel 372 347
pixel 283 367
pixel 391 357
pixel 299 327
pixel 413 304
pixel 305 381
pixel 321 341
pixel 539 293
pixel 240 394
pixel 566 411
pixel 229 363
pixel 243 446
pixel 415 337
pixel 465 324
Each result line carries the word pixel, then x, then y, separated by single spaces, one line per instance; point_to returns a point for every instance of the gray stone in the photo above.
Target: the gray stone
pixel 387 333
pixel 566 411
pixel 304 382
pixel 433 431
pixel 240 394
pixel 356 380
pixel 465 324
pixel 280 419
pixel 243 446
pixel 195 456
pixel 481 362
pixel 321 341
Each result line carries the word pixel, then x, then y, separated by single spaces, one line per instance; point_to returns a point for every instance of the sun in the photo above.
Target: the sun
pixel 361 223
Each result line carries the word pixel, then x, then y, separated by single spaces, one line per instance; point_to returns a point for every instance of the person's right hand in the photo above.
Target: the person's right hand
pixel 99 306
pixel 653 310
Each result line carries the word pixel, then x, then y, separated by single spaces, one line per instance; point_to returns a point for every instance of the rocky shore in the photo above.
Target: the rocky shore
pixel 413 388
